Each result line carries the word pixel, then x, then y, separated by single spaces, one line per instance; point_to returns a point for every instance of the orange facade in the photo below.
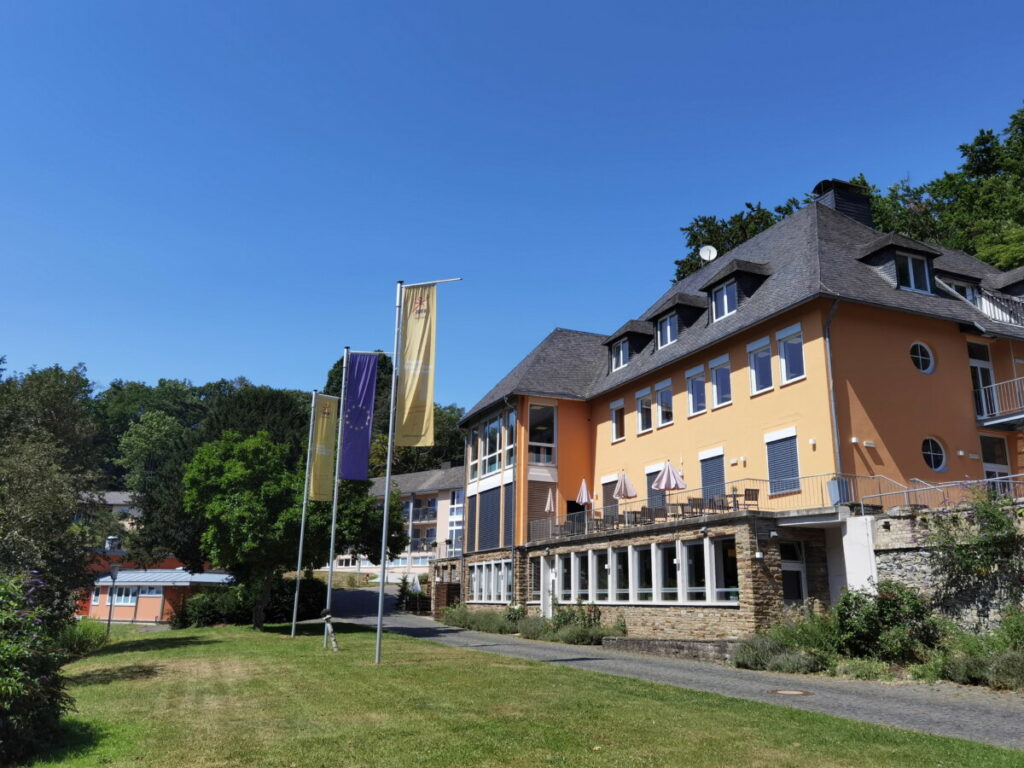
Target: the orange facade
pixel 156 608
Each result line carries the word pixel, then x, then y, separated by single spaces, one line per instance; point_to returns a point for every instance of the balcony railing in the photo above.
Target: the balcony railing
pixel 947 495
pixel 748 495
pixel 1005 309
pixel 422 514
pixel 422 545
pixel 1005 398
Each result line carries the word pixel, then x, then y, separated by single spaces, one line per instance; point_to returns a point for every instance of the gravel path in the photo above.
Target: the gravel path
pixel 943 709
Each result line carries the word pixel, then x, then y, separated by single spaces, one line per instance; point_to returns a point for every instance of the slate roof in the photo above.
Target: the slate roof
pixel 813 253
pixel 422 482
pixel 564 365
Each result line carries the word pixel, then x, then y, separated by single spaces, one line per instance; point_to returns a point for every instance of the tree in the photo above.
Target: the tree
pixel 249 502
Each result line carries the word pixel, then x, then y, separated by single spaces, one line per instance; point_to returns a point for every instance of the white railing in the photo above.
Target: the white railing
pixel 923 495
pixel 1005 309
pixel 1001 399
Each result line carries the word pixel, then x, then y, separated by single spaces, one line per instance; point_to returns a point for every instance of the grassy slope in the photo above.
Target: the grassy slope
pixel 233 697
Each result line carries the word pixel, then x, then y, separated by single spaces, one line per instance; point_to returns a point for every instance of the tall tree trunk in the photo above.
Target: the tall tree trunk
pixel 259 606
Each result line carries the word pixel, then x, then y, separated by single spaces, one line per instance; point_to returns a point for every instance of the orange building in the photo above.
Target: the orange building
pixel 147 596
pixel 815 377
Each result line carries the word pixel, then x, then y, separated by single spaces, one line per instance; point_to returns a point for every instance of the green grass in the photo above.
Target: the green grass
pixel 233 697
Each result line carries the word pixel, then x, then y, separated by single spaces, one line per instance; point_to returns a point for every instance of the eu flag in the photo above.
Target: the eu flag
pixel 357 412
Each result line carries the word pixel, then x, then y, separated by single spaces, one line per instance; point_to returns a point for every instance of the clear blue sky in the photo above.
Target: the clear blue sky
pixel 215 189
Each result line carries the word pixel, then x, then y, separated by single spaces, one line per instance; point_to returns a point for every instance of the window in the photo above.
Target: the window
pixel 510 438
pixel 95 595
pixel 644 574
pixel 794 572
pixel 535 578
pixel 600 576
pixel 721 385
pixel 912 273
pixel 759 358
pixel 621 574
pixel 565 578
pixel 922 357
pixel 542 434
pixel 727 578
pixel 618 409
pixel 723 300
pixel 620 354
pixel 583 575
pixel 125 595
pixel 934 454
pixel 491 461
pixel 967 290
pixel 783 467
pixel 696 577
pixel 791 353
pixel 644 420
pixel 668 330
pixel 151 591
pixel 695 390
pixel 669 572
pixel 473 451
pixel 490 582
pixel 663 398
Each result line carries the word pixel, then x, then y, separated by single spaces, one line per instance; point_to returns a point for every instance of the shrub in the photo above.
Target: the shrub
pixel 1006 671
pixel 577 634
pixel 756 652
pixel 490 621
pixel 82 637
pixel 863 669
pixel 233 605
pixel 793 662
pixel 515 613
pixel 1010 633
pixel 870 624
pixel 535 628
pixel 456 615
pixel 31 685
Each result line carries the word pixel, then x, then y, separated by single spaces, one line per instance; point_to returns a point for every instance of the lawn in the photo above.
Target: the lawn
pixel 234 697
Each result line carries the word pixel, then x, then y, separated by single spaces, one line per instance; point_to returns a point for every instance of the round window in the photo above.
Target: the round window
pixel 934 455
pixel 922 357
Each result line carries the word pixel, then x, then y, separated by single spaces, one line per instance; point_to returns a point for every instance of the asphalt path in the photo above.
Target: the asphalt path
pixel 943 709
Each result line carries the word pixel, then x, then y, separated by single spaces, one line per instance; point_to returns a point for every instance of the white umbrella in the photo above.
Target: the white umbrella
pixel 668 479
pixel 584 496
pixel 549 507
pixel 623 488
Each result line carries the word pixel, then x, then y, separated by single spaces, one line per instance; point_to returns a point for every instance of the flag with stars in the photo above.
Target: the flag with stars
pixel 357 416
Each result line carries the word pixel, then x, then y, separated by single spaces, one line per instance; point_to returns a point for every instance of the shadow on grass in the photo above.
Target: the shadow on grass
pixel 316 629
pixel 115 674
pixel 161 643
pixel 72 739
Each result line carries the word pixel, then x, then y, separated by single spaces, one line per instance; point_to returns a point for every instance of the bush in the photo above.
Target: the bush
pixel 535 628
pixel 233 605
pixel 1010 633
pixel 32 696
pixel 895 624
pixel 456 615
pixel 82 637
pixel 863 669
pixel 515 612
pixel 490 621
pixel 793 662
pixel 757 652
pixel 1006 671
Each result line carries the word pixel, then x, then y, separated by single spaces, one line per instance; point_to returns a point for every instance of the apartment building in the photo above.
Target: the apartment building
pixel 432 509
pixel 808 381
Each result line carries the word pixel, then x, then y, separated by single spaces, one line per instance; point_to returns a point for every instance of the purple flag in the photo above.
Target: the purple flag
pixel 357 415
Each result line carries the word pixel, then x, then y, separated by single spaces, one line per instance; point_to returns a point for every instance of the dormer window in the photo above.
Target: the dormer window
pixel 912 273
pixel 967 290
pixel 723 300
pixel 620 354
pixel 668 330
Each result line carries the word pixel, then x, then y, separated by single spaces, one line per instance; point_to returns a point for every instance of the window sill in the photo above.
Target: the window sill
pixel 914 290
pixel 697 413
pixel 793 381
pixel 644 431
pixel 617 440
pixel 721 405
pixel 765 391
pixel 727 314
pixel 666 424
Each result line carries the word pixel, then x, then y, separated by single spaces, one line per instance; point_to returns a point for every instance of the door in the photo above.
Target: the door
pixel 996 462
pixel 982 379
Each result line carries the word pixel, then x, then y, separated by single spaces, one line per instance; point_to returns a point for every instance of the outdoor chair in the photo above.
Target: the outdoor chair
pixel 750 496
pixel 696 505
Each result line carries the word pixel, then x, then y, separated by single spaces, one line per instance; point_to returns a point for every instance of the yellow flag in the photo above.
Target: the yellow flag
pixel 415 407
pixel 325 441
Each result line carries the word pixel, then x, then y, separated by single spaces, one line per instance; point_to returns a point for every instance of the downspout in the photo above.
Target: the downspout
pixel 832 386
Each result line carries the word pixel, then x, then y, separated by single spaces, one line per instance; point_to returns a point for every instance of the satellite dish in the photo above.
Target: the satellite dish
pixel 708 252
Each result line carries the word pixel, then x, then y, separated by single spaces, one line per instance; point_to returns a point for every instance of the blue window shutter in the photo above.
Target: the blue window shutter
pixel 655 498
pixel 510 513
pixel 712 476
pixel 469 536
pixel 490 519
pixel 783 468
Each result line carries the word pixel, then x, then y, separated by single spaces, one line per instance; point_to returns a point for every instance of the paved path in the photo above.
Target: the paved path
pixel 944 709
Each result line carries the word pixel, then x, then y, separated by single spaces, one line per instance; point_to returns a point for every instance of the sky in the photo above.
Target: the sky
pixel 206 190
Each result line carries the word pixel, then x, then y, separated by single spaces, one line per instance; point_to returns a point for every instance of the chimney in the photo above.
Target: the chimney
pixel 846 198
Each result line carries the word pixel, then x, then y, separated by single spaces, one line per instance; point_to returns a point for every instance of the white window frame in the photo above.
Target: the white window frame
pixel 796 566
pixel 661 390
pixel 618 409
pixel 608 592
pixel 529 443
pixel 473 452
pixel 620 354
pixel 642 397
pixel 931 358
pixel 684 583
pixel 692 374
pixel 970 290
pixel 753 349
pixel 783 336
pixel 494 455
pixel 714 366
pixel 910 273
pixel 944 466
pixel 723 289
pixel 150 591
pixel 96 595
pixel 668 330
pixel 126 595
pixel 509 433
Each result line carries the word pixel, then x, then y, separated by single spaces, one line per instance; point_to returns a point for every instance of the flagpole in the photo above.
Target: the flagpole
pixel 305 506
pixel 395 362
pixel 334 503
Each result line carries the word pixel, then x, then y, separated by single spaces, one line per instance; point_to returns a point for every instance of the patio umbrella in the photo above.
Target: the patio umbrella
pixel 623 488
pixel 668 479
pixel 549 507
pixel 584 497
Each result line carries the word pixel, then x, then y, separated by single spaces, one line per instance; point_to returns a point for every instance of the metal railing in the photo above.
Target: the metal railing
pixel 421 514
pixel 1000 399
pixel 922 495
pixel 422 545
pixel 747 495
pixel 1005 309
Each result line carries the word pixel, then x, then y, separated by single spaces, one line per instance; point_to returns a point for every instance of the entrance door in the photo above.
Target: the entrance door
pixel 982 379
